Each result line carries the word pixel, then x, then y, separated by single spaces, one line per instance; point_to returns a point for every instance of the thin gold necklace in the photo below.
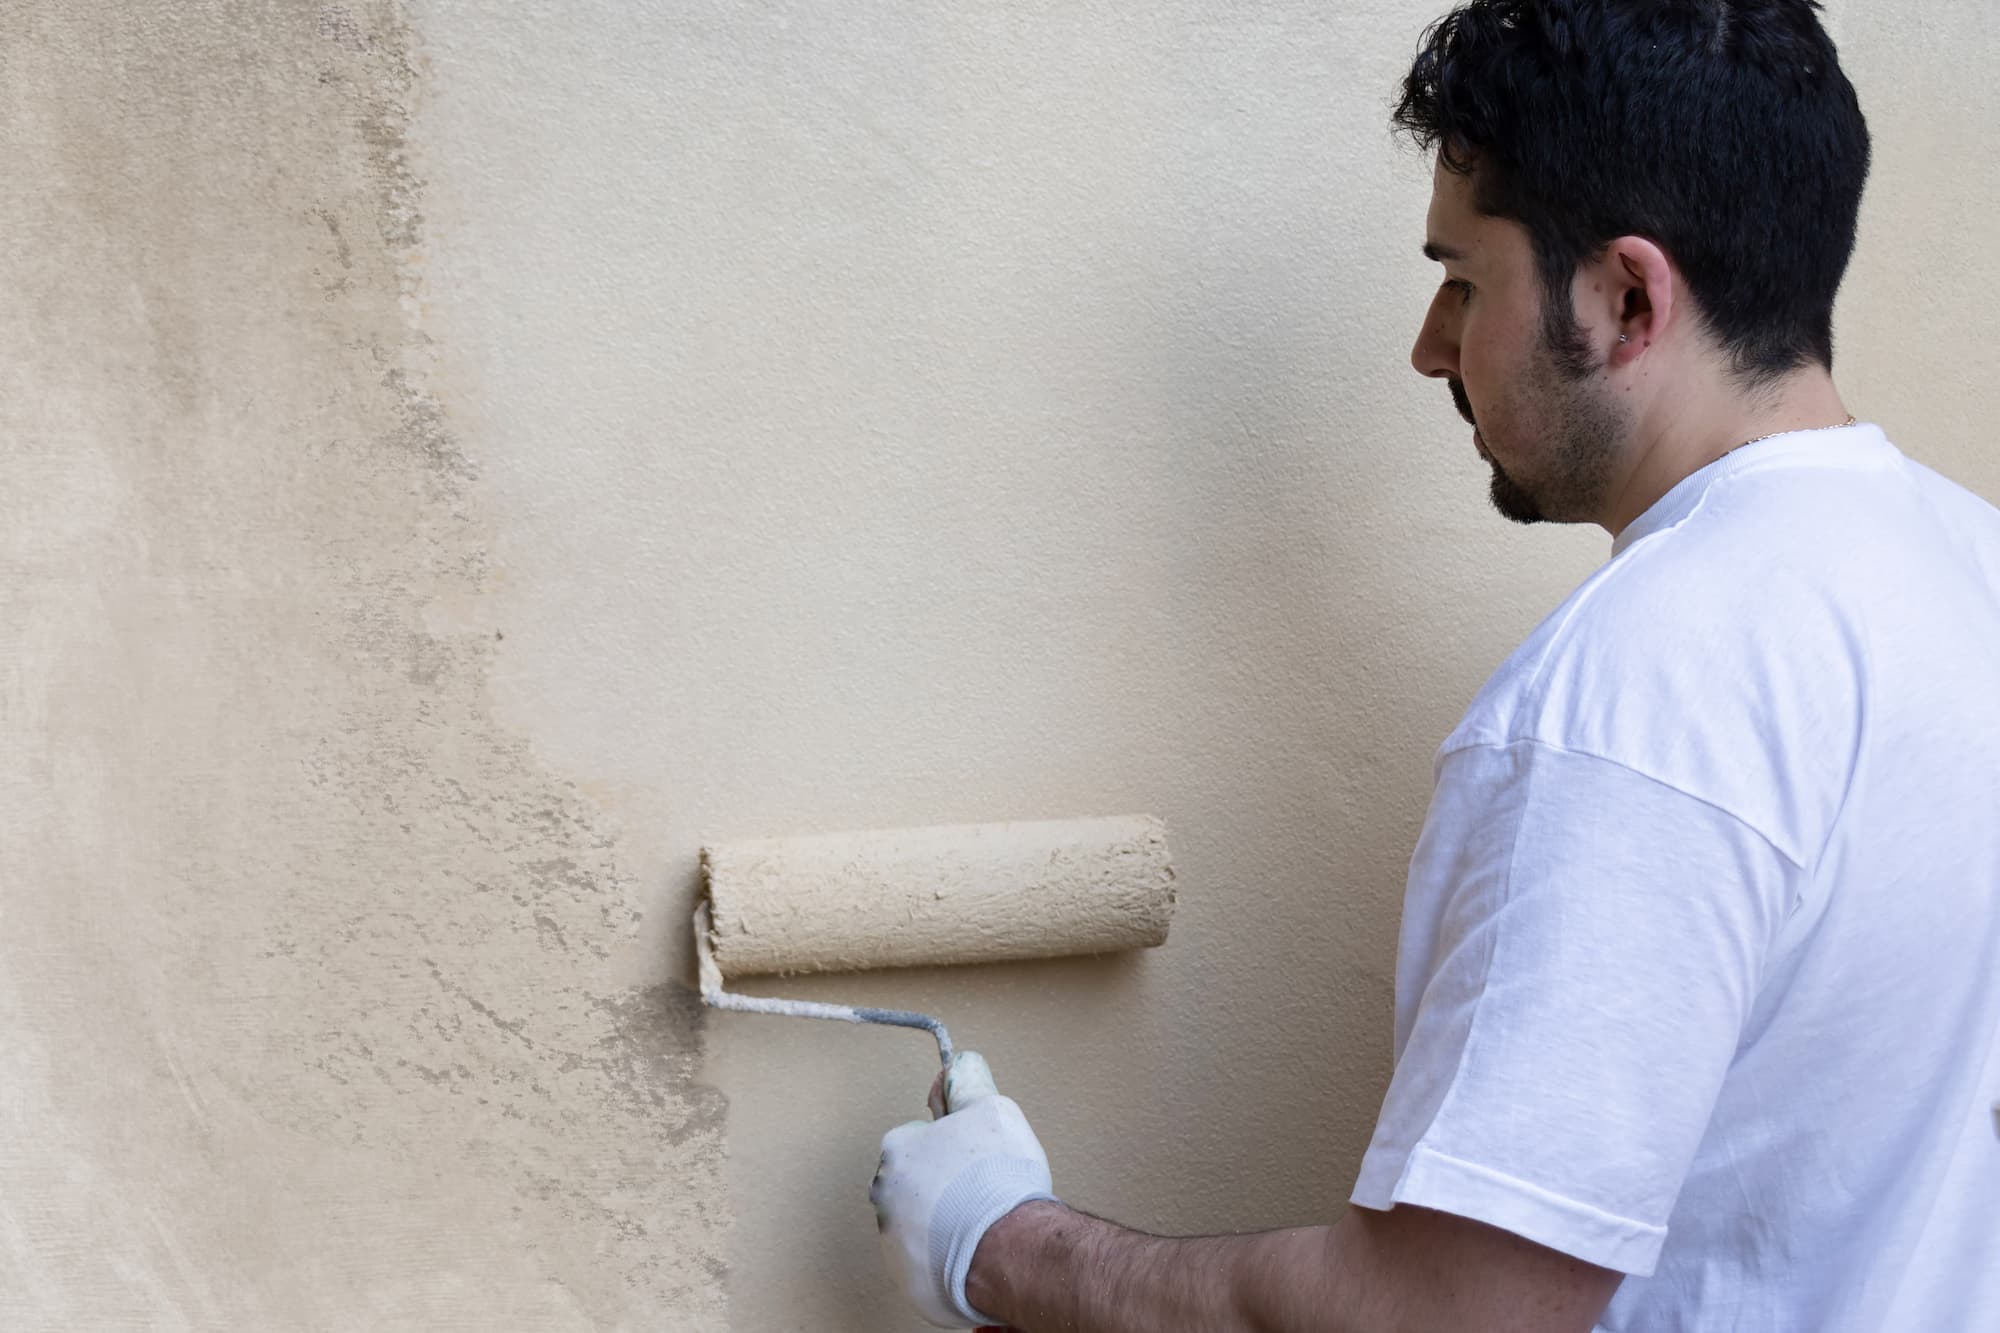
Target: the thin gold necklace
pixel 1776 433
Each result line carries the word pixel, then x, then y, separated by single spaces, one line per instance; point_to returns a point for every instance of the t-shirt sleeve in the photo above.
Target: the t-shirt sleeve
pixel 1595 943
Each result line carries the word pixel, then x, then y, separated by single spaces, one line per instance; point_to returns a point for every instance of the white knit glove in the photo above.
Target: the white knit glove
pixel 943 1182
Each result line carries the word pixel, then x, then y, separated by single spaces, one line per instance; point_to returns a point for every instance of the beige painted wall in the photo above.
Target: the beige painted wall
pixel 460 457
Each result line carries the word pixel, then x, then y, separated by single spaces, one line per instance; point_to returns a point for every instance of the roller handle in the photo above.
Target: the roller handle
pixel 712 994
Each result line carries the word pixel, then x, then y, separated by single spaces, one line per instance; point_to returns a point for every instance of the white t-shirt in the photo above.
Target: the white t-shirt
pixel 1700 963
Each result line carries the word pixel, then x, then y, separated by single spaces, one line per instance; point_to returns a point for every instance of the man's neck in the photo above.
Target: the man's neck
pixel 1694 430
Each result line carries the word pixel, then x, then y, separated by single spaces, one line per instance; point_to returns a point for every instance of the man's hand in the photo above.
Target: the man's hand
pixel 943 1182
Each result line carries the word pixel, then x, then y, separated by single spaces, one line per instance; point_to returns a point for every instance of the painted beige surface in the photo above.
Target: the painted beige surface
pixel 946 896
pixel 461 458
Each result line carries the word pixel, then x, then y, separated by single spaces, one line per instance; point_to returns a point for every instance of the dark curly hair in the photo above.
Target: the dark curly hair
pixel 1723 130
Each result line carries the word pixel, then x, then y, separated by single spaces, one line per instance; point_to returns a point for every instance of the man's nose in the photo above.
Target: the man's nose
pixel 1436 351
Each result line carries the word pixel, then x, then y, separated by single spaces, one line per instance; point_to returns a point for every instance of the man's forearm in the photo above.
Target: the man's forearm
pixel 1045 1268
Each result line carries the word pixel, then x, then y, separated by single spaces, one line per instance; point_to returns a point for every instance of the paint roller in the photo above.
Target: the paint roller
pixel 965 893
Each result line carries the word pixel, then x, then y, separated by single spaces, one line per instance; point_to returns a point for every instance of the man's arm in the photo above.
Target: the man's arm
pixel 1046 1267
pixel 972 1231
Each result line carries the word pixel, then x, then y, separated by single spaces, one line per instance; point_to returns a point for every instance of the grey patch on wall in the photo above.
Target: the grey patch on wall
pixel 306 1012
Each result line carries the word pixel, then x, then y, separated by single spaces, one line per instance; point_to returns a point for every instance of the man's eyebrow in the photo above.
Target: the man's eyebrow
pixel 1440 253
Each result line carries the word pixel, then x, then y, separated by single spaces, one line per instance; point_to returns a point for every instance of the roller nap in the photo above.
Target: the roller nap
pixel 971 893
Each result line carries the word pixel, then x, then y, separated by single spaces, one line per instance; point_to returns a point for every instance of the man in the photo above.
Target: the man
pixel 1698 997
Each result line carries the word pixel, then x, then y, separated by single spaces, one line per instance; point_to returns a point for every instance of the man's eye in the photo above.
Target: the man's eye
pixel 1463 288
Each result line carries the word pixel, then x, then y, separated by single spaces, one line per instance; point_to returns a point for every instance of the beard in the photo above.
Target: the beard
pixel 1580 431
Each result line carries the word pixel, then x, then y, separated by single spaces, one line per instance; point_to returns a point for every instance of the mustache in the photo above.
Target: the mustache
pixel 1463 403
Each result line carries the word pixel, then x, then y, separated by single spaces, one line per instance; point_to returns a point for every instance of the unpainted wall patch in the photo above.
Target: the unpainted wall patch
pixel 279 877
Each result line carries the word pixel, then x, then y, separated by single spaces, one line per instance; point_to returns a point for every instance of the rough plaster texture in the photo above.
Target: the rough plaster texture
pixel 309 1013
pixel 961 893
pixel 850 416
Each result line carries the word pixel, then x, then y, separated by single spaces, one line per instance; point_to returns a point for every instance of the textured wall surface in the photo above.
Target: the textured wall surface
pixel 309 999
pixel 459 458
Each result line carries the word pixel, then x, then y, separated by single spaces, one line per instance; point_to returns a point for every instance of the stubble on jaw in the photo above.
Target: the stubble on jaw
pixel 1580 429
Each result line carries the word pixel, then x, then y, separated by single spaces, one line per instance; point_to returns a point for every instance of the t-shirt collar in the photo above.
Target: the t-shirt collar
pixel 1862 443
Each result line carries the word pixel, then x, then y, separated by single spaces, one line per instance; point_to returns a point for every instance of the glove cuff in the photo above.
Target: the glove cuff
pixel 981 1196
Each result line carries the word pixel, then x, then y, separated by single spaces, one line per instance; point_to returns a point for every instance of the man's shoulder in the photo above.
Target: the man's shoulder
pixel 1759 597
pixel 1655 625
pixel 1690 660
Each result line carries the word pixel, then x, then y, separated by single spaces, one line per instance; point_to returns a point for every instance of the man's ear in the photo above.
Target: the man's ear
pixel 1629 290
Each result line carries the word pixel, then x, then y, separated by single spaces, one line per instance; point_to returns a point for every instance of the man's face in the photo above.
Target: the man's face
pixel 1545 420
